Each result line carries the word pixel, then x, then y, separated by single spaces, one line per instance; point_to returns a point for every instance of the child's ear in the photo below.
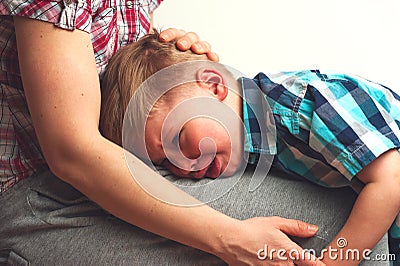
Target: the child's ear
pixel 213 81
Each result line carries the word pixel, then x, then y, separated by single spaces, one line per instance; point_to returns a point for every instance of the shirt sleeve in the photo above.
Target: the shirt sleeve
pixel 153 4
pixel 66 14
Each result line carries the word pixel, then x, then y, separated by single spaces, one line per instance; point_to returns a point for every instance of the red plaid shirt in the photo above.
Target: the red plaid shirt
pixel 110 23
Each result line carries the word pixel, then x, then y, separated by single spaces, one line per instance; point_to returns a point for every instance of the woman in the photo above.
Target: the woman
pixel 49 128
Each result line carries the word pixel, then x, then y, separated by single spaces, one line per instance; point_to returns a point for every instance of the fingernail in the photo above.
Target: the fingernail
pixel 214 57
pixel 164 36
pixel 183 43
pixel 312 228
pixel 197 47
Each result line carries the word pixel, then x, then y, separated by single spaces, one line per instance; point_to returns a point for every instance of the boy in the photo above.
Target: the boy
pixel 332 129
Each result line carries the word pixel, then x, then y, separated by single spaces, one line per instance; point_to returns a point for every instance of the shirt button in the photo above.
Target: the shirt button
pixel 129 4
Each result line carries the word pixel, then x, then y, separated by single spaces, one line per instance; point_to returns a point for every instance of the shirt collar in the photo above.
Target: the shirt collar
pixel 260 132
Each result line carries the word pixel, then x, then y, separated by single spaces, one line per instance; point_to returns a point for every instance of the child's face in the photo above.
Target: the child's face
pixel 200 147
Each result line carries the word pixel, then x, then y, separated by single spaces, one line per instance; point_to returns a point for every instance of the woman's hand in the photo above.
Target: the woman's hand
pixel 264 241
pixel 188 40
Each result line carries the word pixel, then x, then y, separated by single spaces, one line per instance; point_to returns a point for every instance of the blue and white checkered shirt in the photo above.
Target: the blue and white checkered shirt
pixel 328 126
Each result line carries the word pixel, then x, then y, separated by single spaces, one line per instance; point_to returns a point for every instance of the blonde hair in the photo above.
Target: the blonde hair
pixel 127 70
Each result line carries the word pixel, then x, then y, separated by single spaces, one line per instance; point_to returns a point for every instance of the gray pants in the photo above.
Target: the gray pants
pixel 46 222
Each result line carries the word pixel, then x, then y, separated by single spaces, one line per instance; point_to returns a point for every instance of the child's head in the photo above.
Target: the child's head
pixel 127 70
pixel 189 145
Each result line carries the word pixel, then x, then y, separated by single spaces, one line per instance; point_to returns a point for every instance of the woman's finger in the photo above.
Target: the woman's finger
pixel 296 227
pixel 171 34
pixel 188 40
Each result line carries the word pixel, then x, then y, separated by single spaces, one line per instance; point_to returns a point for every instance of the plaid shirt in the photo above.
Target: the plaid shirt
pixel 110 23
pixel 259 137
pixel 328 126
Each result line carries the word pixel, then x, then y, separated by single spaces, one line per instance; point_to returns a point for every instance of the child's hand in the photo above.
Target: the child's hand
pixel 188 40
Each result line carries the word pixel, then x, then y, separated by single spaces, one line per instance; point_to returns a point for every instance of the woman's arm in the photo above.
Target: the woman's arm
pixel 63 95
pixel 374 211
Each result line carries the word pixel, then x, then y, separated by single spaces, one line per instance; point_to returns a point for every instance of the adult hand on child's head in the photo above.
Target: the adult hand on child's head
pixel 262 237
pixel 188 40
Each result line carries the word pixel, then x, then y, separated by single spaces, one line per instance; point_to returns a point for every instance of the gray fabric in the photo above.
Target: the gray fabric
pixel 46 222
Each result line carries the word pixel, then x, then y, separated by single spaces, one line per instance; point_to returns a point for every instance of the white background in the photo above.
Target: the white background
pixel 354 36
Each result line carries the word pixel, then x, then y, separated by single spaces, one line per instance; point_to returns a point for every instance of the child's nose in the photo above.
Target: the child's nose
pixel 189 165
pixel 198 147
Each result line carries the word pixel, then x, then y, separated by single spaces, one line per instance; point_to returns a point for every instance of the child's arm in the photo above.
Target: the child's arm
pixel 374 211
